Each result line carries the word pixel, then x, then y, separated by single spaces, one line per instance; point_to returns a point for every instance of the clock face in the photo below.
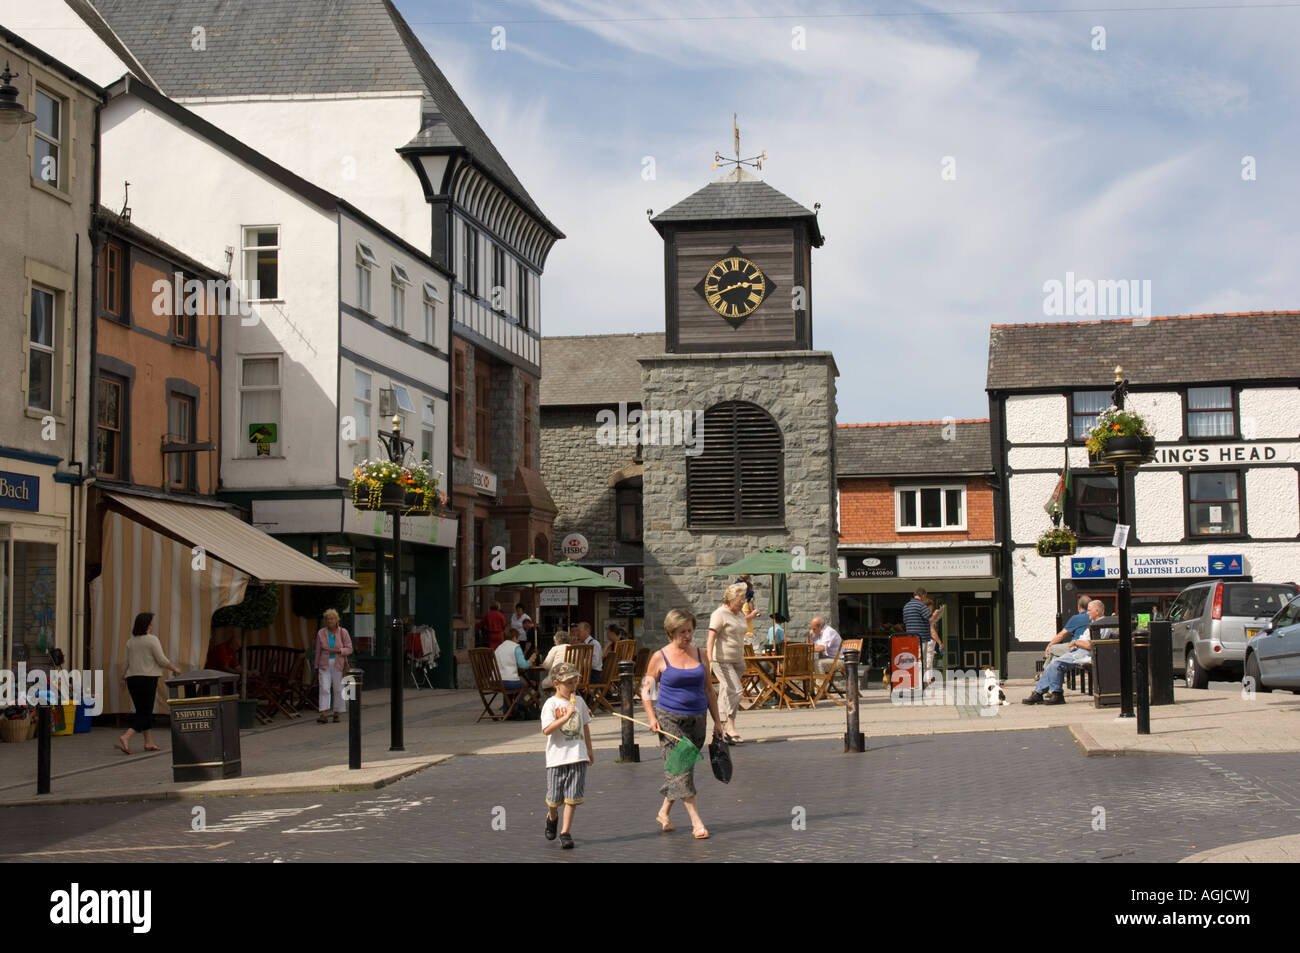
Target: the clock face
pixel 734 287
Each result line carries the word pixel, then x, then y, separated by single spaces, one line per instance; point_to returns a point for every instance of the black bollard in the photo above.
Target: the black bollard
pixel 628 750
pixel 397 645
pixel 1141 651
pixel 43 729
pixel 352 683
pixel 853 739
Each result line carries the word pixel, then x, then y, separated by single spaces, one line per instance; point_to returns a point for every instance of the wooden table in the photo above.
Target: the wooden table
pixel 762 678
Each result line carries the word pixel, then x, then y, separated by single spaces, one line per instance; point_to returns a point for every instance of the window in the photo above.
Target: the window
pixel 262 261
pixel 110 281
pixel 627 502
pixel 1213 503
pixel 1210 412
pixel 929 507
pixel 470 260
pixel 48 139
pixel 110 419
pixel 483 413
pixel 1094 500
pixel 402 400
pixel 185 322
pixel 365 262
pixel 498 290
pixel 40 357
pixel 397 299
pixel 1085 405
pixel 426 429
pixel 459 422
pixel 527 425
pixel 429 310
pixel 739 477
pixel 361 410
pixel 259 405
pixel 521 295
pixel 180 429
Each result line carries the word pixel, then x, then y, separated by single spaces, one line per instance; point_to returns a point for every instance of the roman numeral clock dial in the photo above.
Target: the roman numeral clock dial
pixel 734 287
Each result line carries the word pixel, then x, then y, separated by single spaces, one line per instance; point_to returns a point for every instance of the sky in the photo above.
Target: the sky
pixel 965 156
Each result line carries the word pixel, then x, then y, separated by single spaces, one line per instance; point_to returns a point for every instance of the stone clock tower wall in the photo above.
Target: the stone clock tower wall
pixel 798 389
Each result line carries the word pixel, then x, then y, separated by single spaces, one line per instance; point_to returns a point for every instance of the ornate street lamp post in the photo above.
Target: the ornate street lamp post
pixel 396 445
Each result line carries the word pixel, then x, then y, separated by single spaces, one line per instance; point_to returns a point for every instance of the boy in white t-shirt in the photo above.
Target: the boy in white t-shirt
pixel 565 720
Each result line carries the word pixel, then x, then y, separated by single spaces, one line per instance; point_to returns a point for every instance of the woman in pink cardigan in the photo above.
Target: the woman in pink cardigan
pixel 333 646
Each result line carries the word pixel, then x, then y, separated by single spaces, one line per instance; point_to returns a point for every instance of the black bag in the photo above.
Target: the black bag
pixel 720 760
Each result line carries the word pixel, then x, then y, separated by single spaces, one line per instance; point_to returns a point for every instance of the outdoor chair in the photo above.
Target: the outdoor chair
pixel 487 679
pixel 606 693
pixel 821 683
pixel 642 661
pixel 272 673
pixel 795 685
pixel 580 656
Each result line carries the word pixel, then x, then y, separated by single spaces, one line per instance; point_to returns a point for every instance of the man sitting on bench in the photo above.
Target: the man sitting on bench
pixel 1048 690
pixel 1075 626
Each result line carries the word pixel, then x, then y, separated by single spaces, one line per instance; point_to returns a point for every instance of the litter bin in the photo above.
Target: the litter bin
pixel 1105 663
pixel 205 725
pixel 1161 663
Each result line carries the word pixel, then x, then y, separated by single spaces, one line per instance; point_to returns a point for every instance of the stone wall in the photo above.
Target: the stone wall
pixel 576 469
pixel 798 389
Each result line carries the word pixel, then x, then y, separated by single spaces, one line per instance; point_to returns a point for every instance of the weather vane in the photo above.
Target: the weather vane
pixel 756 161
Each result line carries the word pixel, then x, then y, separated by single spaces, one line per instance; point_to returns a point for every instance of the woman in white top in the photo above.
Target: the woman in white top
pixel 556 654
pixel 727 627
pixel 145 661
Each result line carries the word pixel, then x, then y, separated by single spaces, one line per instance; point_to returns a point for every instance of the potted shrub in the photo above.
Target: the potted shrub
pixel 1120 436
pixel 379 485
pixel 258 611
pixel 1058 541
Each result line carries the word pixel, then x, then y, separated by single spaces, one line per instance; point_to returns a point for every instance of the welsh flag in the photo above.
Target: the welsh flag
pixel 1056 502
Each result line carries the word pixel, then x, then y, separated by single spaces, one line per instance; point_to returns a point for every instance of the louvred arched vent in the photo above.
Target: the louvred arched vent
pixel 739 478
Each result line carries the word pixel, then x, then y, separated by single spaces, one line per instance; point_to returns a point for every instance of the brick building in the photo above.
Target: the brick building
pixel 916 508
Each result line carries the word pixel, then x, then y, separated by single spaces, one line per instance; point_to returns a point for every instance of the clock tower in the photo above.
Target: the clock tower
pixel 738 363
pixel 738 268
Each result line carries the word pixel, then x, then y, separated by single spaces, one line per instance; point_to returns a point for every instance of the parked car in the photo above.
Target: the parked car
pixel 1273 656
pixel 1214 620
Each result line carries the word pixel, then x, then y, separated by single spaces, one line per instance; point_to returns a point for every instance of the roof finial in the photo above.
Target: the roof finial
pixel 756 161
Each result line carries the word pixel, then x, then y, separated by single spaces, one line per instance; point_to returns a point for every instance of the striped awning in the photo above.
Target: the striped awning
pixel 234 542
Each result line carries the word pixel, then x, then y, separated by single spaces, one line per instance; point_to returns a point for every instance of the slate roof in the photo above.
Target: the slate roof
pixel 99 26
pixel 1178 349
pixel 310 47
pixel 729 199
pixel 595 369
pixel 912 448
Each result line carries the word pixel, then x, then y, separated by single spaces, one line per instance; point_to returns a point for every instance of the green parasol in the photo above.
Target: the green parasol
pixel 780 598
pixel 529 572
pixel 775 562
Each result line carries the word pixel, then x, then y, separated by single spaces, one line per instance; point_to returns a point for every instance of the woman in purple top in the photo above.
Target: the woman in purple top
pixel 685 693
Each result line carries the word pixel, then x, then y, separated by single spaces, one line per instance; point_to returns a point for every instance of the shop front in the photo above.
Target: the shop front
pixel 624 608
pixel 1156 577
pixel 358 544
pixel 875 585
pixel 35 610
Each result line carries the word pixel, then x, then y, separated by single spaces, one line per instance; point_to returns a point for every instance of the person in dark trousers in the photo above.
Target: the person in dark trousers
pixel 918 620
pixel 145 661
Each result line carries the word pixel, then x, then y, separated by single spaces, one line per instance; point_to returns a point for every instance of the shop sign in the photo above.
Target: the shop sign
pixel 627 604
pixel 616 573
pixel 1102 567
pixel 974 564
pixel 1216 454
pixel 483 481
pixel 556 597
pixel 574 546
pixel 870 567
pixel 20 491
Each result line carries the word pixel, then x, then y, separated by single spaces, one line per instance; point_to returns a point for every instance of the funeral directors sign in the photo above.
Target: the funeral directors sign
pixel 868 566
pixel 20 491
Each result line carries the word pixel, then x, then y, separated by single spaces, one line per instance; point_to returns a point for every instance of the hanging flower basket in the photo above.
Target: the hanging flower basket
pixel 391 487
pixel 1120 437
pixel 1058 541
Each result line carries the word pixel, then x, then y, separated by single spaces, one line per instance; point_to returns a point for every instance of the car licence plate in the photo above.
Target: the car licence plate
pixel 1251 633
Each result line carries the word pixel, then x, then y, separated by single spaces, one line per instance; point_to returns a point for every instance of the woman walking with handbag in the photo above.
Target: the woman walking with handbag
pixel 333 646
pixel 145 662
pixel 685 693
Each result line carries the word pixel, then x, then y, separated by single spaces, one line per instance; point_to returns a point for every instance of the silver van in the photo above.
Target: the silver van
pixel 1213 621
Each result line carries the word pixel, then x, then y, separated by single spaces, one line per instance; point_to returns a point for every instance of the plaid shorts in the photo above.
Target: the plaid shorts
pixel 565 783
